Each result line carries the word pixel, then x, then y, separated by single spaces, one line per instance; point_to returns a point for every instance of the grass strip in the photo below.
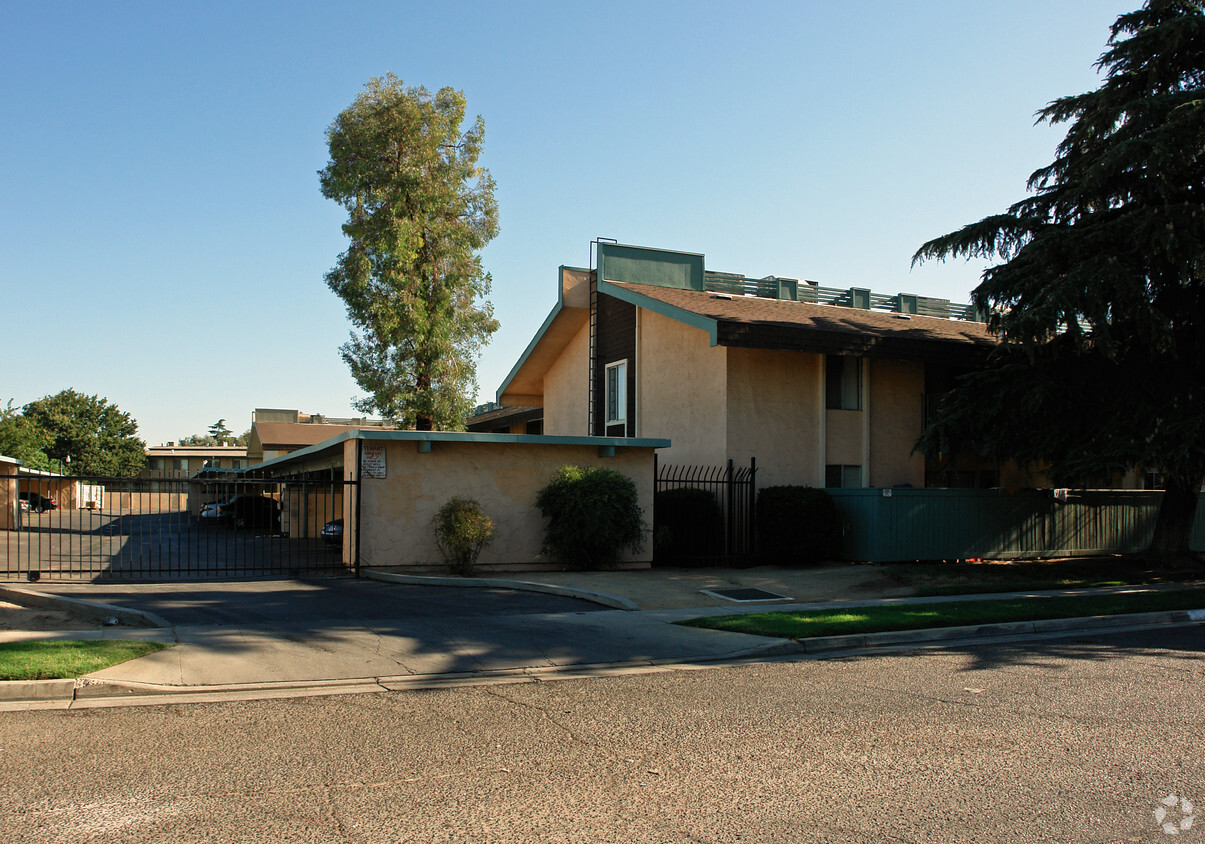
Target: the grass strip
pixel 963 578
pixel 42 660
pixel 883 618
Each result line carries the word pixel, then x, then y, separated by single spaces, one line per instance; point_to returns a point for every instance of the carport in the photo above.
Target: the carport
pixel 396 481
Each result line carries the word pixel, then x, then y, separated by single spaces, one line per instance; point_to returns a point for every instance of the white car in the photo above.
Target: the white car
pixel 211 510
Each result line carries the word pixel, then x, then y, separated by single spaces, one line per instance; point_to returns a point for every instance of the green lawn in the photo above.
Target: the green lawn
pixel 962 578
pixel 877 619
pixel 41 660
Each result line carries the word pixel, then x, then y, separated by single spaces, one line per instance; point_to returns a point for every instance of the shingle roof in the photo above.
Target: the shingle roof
pixel 782 324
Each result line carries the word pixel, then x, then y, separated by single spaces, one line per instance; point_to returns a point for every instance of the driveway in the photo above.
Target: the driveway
pixel 340 629
pixel 307 603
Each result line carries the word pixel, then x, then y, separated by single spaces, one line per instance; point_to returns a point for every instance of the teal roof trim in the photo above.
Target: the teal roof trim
pixel 456 437
pixel 690 318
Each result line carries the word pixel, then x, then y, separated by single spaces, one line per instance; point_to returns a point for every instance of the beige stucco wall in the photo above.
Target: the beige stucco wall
pixel 772 414
pixel 566 389
pixel 896 390
pixel 396 512
pixel 681 386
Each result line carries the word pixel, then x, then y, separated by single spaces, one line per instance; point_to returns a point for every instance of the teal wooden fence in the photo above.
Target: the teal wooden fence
pixel 886 525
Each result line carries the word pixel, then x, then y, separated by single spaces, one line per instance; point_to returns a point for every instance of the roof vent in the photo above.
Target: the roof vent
pixel 721 296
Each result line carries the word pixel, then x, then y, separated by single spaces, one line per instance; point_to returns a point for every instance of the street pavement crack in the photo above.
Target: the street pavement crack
pixel 332 814
pixel 582 740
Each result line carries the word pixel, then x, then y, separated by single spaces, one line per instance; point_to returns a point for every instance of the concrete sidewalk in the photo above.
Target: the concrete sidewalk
pixel 233 660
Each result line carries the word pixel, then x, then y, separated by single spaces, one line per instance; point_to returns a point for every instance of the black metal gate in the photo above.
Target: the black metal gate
pixel 78 528
pixel 704 515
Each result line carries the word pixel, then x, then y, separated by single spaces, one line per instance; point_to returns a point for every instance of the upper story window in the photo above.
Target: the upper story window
pixel 617 392
pixel 843 382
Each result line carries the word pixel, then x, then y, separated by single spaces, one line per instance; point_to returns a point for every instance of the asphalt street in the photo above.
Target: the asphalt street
pixel 1060 740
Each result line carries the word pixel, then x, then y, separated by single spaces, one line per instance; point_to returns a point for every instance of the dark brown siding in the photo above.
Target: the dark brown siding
pixel 615 341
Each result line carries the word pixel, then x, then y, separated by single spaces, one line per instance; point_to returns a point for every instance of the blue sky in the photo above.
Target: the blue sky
pixel 163 239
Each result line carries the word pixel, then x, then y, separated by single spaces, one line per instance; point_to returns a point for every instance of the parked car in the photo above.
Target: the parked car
pixel 36 502
pixel 211 510
pixel 332 532
pixel 258 512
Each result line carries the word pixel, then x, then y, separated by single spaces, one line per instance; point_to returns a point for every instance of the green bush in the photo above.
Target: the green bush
pixel 593 516
pixel 462 529
pixel 796 525
pixel 690 524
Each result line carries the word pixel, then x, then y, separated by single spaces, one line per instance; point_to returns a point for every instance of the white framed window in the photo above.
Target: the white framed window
pixel 617 392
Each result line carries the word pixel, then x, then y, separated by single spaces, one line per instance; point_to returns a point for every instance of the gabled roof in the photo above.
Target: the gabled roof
pixel 783 314
pixel 525 383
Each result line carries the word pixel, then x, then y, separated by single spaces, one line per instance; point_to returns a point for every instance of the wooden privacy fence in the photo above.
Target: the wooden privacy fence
pixel 886 525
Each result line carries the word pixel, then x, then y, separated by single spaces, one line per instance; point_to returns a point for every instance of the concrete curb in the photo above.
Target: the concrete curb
pixel 88 693
pixel 603 598
pixel 91 610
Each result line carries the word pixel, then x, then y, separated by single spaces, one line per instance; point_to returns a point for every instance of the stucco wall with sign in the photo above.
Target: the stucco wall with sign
pixel 504 477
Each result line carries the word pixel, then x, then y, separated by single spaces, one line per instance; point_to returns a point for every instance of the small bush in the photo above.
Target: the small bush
pixel 796 525
pixel 593 516
pixel 462 530
pixel 690 524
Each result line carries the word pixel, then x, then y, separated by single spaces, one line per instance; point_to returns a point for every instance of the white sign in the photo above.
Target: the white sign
pixel 372 460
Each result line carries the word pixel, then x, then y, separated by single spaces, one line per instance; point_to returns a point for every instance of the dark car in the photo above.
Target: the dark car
pixel 36 502
pixel 258 512
pixel 332 532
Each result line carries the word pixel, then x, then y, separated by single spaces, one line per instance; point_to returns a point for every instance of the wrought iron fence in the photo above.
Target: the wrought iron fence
pixel 54 527
pixel 704 515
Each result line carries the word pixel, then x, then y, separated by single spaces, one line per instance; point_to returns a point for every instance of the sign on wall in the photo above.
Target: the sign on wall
pixel 372 460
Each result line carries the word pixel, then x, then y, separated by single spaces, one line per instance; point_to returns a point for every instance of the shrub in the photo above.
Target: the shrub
pixel 462 529
pixel 690 524
pixel 593 516
pixel 796 525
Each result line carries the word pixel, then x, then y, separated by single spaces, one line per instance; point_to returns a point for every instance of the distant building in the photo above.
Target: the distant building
pixel 276 432
pixel 494 418
pixel 172 460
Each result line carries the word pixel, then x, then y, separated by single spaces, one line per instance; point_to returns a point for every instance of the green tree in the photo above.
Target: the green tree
pixel 418 210
pixel 1100 297
pixel 98 436
pixel 21 438
pixel 197 439
pixel 219 432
